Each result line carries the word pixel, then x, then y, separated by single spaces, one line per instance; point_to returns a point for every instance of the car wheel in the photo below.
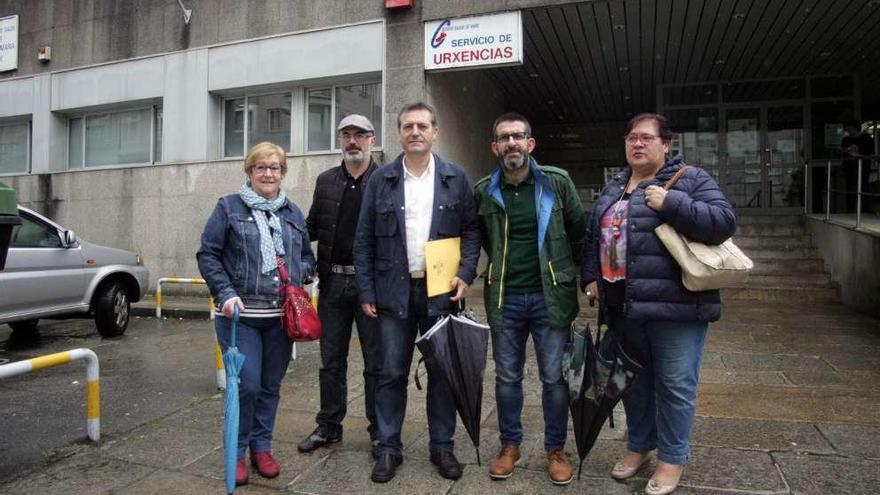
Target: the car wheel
pixel 26 329
pixel 112 310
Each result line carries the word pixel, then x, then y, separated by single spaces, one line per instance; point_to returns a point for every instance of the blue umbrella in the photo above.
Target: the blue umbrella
pixel 233 360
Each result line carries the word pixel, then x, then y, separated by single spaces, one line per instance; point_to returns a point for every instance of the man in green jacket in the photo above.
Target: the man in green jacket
pixel 532 225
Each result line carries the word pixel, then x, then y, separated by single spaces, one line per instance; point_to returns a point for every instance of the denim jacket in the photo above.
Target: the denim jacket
pixel 230 259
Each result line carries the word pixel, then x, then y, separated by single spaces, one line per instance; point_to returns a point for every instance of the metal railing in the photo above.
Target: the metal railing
pixel 93 387
pixel 864 162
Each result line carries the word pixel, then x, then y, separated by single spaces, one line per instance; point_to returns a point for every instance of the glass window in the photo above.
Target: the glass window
pixel 696 136
pixel 120 137
pixel 157 136
pixel 780 89
pixel 114 138
pixel 269 120
pixel 363 99
pixel 233 133
pixel 252 119
pixel 14 147
pixel 75 143
pixel 320 125
pixel 34 234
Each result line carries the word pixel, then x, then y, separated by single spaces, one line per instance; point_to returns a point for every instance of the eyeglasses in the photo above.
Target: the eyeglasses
pixel 348 136
pixel 517 136
pixel 267 169
pixel 632 139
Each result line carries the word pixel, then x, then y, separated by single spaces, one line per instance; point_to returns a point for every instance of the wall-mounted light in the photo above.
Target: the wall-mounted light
pixel 398 4
pixel 44 54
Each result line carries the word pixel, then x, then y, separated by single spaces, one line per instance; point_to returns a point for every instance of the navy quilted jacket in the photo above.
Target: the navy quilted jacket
pixel 697 208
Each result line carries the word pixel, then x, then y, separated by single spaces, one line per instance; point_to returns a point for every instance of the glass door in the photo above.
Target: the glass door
pixel 742 176
pixel 784 157
pixel 763 157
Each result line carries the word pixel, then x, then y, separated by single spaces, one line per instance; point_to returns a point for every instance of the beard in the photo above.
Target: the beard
pixel 515 163
pixel 354 157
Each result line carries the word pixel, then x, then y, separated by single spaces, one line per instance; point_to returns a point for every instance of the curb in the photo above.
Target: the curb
pixel 185 313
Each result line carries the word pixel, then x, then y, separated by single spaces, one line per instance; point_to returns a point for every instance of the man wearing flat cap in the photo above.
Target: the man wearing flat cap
pixel 332 221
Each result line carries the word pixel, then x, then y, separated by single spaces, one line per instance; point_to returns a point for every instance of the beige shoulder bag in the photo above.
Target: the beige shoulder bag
pixel 704 267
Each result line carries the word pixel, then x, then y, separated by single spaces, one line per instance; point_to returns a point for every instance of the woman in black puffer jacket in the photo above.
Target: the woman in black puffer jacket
pixel 641 295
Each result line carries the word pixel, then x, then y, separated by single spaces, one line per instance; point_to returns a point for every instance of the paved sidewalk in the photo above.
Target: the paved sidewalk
pixel 789 403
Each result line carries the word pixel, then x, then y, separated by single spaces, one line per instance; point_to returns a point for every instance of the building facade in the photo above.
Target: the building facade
pixel 126 119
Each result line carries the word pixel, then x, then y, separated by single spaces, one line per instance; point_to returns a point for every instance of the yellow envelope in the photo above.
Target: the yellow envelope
pixel 442 258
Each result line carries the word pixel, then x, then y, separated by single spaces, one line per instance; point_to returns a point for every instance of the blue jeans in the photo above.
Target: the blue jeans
pixel 398 338
pixel 338 307
pixel 524 314
pixel 267 351
pixel 661 405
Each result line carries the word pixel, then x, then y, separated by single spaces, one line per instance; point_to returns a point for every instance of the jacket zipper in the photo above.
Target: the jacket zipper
pixel 552 273
pixel 503 263
pixel 489 278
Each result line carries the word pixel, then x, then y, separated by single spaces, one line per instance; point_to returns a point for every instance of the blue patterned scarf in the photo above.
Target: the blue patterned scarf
pixel 270 242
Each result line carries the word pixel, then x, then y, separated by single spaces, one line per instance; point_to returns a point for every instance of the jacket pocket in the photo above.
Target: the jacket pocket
pixel 449 219
pixel 243 247
pixel 386 220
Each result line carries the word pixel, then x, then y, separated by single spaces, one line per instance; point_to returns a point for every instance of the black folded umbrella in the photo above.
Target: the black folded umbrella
pixel 455 348
pixel 597 382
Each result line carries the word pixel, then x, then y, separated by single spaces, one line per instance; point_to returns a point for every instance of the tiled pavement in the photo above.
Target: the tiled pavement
pixel 789 403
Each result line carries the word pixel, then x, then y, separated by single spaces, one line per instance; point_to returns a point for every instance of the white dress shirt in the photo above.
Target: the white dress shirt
pixel 418 197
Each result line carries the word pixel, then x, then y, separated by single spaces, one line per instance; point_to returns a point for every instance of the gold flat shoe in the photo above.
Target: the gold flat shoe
pixel 621 471
pixel 655 488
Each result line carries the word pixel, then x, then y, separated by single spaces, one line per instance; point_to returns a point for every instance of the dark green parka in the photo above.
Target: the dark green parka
pixel 561 230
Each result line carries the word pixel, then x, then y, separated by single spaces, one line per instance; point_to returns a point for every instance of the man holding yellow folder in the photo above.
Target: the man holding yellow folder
pixel 532 225
pixel 417 198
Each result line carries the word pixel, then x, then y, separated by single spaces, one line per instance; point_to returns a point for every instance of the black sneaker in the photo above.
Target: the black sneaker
pixel 320 437
pixel 385 467
pixel 447 465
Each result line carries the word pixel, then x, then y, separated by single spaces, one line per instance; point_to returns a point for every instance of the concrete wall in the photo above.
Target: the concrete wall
pixel 85 32
pixel 852 259
pixel 159 211
pixel 467 103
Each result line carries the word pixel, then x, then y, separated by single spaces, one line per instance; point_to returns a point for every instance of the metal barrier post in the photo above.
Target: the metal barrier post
pixel 218 364
pixel 828 192
pixel 859 196
pixel 93 387
pixel 218 356
pixel 178 280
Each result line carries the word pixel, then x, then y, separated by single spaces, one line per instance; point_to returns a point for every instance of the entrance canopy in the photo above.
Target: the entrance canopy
pixel 753 88
pixel 604 60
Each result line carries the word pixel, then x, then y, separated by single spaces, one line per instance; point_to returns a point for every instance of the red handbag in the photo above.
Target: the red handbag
pixel 298 317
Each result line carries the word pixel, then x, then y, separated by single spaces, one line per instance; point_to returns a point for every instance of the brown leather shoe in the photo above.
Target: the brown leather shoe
pixel 502 465
pixel 559 467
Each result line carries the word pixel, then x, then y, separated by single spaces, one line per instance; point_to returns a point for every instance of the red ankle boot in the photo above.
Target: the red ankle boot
pixel 266 465
pixel 241 473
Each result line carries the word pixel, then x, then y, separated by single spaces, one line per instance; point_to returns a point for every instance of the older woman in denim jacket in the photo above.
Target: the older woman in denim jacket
pixel 240 243
pixel 639 287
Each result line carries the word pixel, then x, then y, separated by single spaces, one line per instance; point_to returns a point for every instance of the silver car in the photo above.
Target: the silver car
pixel 51 274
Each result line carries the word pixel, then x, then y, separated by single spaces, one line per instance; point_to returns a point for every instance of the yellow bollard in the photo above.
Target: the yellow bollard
pixel 218 363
